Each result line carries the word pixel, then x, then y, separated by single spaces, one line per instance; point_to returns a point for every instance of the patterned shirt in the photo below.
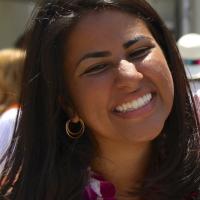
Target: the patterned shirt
pixel 100 189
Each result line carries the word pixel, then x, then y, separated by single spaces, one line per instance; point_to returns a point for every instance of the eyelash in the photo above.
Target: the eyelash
pixel 139 53
pixel 136 55
pixel 98 68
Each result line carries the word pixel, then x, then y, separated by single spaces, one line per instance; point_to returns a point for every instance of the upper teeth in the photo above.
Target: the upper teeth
pixel 135 104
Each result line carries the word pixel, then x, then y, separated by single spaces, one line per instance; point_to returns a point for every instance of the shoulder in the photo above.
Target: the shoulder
pixel 7 124
pixel 9 115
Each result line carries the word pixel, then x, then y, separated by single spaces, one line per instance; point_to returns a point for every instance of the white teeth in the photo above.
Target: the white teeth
pixel 135 104
pixel 129 105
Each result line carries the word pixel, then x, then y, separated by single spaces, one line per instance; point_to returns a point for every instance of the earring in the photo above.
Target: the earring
pixel 74 134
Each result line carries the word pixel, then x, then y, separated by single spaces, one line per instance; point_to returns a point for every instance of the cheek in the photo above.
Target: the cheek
pixel 90 96
pixel 156 69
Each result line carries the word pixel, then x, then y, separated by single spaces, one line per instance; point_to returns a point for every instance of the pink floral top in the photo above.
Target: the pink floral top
pixel 100 189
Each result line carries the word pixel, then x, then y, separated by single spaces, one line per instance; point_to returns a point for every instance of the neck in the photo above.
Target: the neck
pixel 124 165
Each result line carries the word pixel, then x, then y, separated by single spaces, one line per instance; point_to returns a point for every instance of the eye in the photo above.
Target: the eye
pixel 139 53
pixel 96 69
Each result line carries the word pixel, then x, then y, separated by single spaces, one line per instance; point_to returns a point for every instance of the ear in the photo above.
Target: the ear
pixel 69 109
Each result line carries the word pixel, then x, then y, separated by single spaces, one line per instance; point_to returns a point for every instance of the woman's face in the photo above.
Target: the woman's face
pixel 118 78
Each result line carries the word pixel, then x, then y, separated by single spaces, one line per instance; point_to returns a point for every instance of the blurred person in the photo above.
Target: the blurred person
pixel 11 67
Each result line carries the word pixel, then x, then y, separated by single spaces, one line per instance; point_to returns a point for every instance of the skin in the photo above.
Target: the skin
pixel 131 65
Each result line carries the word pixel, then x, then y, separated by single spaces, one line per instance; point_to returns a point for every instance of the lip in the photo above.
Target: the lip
pixel 140 112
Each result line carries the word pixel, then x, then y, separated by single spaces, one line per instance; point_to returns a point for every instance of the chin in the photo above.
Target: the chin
pixel 145 135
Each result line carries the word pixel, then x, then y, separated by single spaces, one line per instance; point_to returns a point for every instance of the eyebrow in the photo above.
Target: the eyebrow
pixel 100 54
pixel 97 54
pixel 135 40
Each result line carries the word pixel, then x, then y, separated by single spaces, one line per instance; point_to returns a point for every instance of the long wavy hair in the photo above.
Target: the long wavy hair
pixel 42 163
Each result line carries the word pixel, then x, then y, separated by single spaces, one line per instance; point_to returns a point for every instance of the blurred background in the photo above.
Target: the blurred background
pixel 181 16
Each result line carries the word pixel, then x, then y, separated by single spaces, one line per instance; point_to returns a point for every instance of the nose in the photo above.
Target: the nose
pixel 128 77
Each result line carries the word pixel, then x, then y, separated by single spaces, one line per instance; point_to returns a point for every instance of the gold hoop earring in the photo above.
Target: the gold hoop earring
pixel 74 134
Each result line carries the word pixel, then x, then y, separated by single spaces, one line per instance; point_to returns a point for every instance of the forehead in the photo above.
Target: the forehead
pixel 98 30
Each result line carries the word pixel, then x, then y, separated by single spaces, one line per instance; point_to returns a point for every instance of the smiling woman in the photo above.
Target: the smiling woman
pixel 106 108
pixel 115 75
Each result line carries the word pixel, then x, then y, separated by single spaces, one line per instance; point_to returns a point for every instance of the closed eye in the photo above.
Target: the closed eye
pixel 96 69
pixel 139 53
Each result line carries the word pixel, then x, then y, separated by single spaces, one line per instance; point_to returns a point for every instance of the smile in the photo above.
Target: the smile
pixel 135 104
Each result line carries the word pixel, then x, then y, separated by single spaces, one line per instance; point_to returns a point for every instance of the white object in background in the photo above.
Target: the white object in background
pixel 189 47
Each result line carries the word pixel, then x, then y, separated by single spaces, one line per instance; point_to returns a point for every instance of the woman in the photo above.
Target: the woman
pixel 107 112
